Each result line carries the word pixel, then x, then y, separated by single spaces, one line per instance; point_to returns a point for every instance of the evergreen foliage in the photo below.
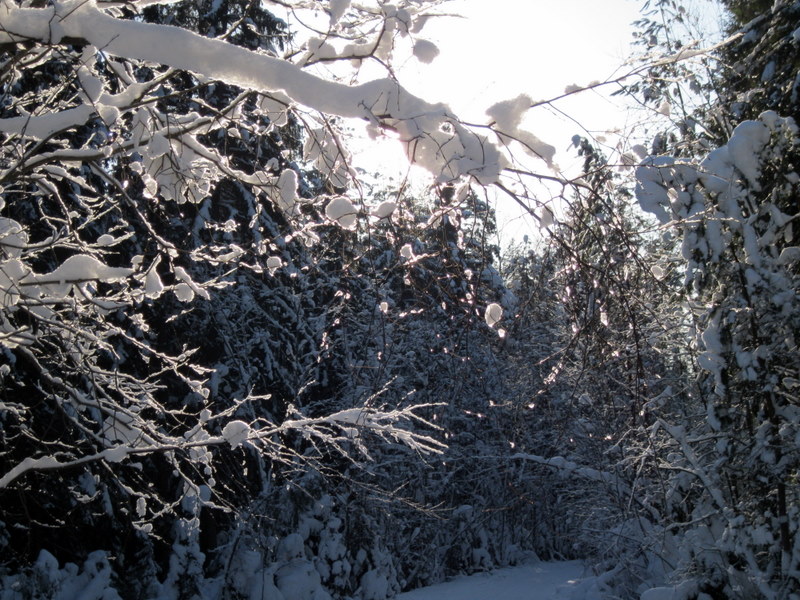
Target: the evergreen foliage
pixel 230 369
pixel 725 187
pixel 198 359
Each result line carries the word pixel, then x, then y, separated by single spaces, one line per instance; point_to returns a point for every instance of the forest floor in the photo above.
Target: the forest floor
pixel 536 581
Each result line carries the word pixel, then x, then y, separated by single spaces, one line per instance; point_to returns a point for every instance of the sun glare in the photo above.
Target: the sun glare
pixel 499 50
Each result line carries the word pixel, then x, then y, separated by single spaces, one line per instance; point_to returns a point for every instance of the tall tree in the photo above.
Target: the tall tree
pixel 728 191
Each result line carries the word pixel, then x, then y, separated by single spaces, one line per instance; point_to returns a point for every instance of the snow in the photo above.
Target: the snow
pixel 342 211
pixel 116 454
pixel 44 126
pixel 493 314
pixel 291 547
pixel 105 240
pixel 13 238
pixel 299 580
pixel 508 114
pixel 539 581
pixel 28 464
pixel 287 186
pixel 183 292
pixel 385 209
pixel 92 583
pixel 507 117
pixel 446 154
pixel 273 264
pixel 425 51
pixel 374 585
pixel 684 591
pixel 789 255
pixel 80 267
pixel 338 8
pixel 350 415
pixel 568 467
pixel 11 271
pixel 188 283
pixel 236 433
pixel 546 217
pixel 153 286
pixel 747 141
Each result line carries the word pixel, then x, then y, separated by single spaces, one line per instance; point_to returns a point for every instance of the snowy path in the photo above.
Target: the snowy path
pixel 539 581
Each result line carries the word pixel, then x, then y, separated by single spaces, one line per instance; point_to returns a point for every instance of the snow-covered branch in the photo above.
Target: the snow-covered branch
pixel 570 468
pixel 384 102
pixel 335 429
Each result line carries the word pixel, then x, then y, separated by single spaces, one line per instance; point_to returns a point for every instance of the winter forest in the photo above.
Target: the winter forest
pixel 235 365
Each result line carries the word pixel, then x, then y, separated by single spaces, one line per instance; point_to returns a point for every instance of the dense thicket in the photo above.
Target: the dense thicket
pixel 718 457
pixel 230 368
pixel 205 330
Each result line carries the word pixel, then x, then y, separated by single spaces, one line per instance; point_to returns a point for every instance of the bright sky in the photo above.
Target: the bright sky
pixel 502 48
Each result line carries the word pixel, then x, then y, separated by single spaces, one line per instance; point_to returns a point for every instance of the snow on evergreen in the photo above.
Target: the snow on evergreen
pixel 233 366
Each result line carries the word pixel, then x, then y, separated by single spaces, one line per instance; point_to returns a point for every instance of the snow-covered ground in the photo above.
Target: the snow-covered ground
pixel 537 581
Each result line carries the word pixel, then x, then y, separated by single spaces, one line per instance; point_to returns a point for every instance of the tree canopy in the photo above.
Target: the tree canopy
pixel 233 366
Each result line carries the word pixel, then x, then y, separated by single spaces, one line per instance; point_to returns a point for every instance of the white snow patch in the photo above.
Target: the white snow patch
pixel 182 275
pixel 183 292
pixel 13 238
pixel 374 585
pixel 640 151
pixel 425 51
pixel 384 209
pixel 44 126
pixel 684 591
pixel 338 8
pixel 419 123
pixel 153 286
pixel 291 547
pixel 273 264
pixel 342 211
pixel 299 580
pixel 546 218
pixel 493 314
pixel 539 581
pixel 116 454
pixel 236 433
pixel 747 141
pixel 507 116
pixel 80 267
pixel 105 240
pixel 789 255
pixel 287 188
